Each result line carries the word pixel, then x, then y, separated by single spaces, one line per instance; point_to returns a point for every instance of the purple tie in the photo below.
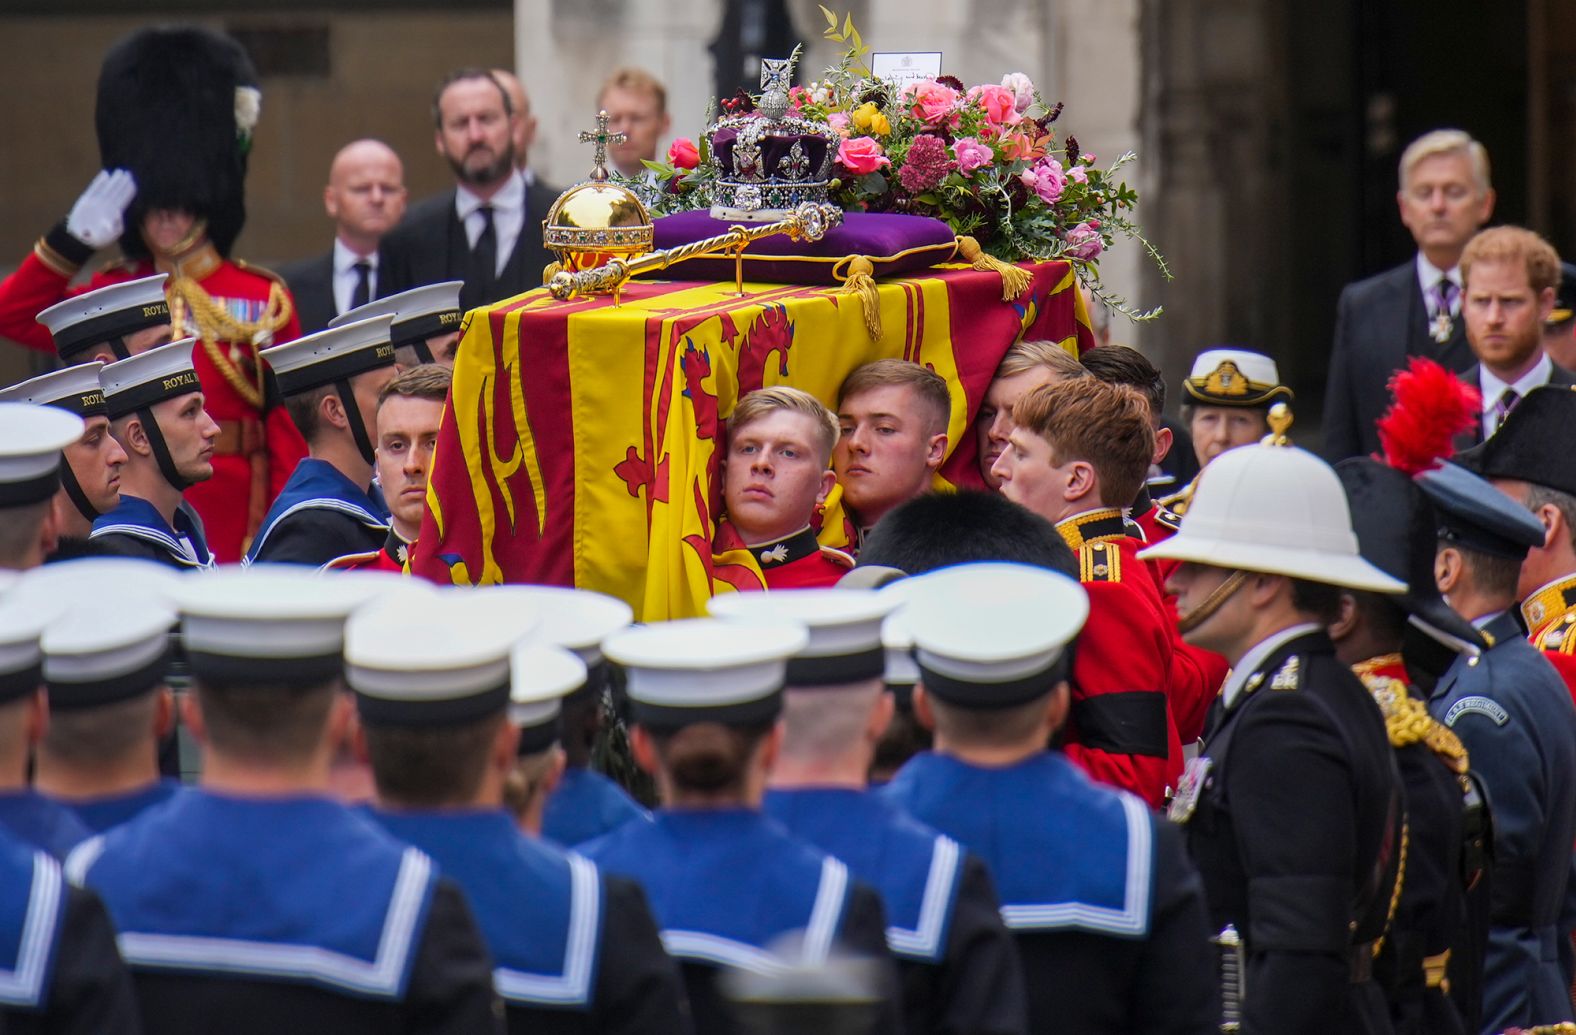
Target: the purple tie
pixel 1444 295
pixel 1507 402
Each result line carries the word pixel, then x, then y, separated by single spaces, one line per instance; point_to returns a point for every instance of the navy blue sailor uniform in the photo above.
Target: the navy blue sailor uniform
pixel 1107 912
pixel 1293 815
pixel 574 951
pixel 958 963
pixel 225 909
pixel 318 516
pixel 100 814
pixel 725 884
pixel 41 822
pixel 1512 712
pixel 136 529
pixel 586 805
pixel 59 970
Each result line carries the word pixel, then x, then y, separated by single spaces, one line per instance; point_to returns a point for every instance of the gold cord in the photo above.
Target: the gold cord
pixel 215 325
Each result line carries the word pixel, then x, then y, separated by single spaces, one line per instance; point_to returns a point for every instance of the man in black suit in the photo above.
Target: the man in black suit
pixel 1510 275
pixel 1413 309
pixel 487 231
pixel 365 198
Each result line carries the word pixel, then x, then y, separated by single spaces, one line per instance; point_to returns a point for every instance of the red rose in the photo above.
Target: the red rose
pixel 683 154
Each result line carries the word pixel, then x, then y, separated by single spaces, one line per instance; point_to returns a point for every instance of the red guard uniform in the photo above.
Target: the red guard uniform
pixel 394 556
pixel 1198 674
pixel 235 310
pixel 800 562
pixel 1120 728
pixel 1550 614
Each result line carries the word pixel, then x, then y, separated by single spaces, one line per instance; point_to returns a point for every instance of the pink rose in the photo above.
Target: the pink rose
pixel 683 154
pixel 1083 242
pixel 1046 179
pixel 998 104
pixel 1022 90
pixel 861 155
pixel 971 154
pixel 1078 174
pixel 838 120
pixel 933 103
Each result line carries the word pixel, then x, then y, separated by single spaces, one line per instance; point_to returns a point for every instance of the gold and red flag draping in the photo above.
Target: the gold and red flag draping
pixel 582 441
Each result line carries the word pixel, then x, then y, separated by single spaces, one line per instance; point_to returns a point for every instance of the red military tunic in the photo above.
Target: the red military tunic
pixel 1550 614
pixel 394 556
pixel 256 449
pixel 1120 728
pixel 1199 674
pixel 800 562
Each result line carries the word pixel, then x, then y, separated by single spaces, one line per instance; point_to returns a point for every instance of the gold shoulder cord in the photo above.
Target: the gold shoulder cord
pixel 215 325
pixel 1406 720
pixel 1395 893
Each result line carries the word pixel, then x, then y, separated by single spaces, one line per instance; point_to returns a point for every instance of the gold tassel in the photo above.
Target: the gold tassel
pixel 1014 279
pixel 861 281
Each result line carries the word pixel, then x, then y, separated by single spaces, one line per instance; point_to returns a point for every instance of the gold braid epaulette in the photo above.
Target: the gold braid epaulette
pixel 216 325
pixel 1406 719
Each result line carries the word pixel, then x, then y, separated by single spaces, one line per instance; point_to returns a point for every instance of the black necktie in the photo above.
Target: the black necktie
pixel 484 256
pixel 362 294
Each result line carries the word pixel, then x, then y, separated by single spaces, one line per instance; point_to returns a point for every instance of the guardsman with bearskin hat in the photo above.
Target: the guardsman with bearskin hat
pixel 175 114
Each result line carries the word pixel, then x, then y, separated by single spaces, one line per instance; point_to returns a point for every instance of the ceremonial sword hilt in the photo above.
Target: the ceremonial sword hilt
pixel 1231 979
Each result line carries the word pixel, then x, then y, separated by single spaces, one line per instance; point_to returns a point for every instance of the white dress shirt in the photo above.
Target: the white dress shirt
pixel 1255 656
pixel 346 278
pixel 1492 388
pixel 508 207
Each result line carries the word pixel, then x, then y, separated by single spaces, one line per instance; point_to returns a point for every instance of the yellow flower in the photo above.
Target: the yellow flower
pixel 866 119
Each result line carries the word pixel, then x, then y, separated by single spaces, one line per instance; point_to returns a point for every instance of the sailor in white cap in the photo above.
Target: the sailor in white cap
pixel 155 407
pixel 959 965
pixel 1106 910
pixel 725 882
pixel 31 440
pixel 25 814
pixel 1293 809
pixel 254 896
pixel 110 323
pixel 572 949
pixel 330 382
pixel 584 803
pixel 544 677
pixel 426 322
pixel 90 477
pixel 107 652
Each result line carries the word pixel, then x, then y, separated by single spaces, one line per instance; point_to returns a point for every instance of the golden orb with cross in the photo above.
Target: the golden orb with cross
pixel 597 220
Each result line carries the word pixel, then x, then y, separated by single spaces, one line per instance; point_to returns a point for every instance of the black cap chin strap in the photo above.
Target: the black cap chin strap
pixel 161 451
pixel 423 353
pixel 117 345
pixel 79 499
pixel 353 416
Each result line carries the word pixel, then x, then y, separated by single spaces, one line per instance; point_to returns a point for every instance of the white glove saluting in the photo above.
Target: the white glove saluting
pixel 98 217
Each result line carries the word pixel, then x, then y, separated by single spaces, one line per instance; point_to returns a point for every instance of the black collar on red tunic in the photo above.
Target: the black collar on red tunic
pixel 396 547
pixel 786 550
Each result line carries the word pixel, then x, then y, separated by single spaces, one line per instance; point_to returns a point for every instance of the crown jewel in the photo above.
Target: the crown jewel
pixel 769 161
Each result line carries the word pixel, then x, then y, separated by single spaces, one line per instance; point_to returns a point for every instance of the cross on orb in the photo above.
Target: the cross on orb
pixel 601 138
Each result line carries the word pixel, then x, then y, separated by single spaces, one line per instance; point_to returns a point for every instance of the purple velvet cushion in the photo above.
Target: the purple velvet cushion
pixel 894 244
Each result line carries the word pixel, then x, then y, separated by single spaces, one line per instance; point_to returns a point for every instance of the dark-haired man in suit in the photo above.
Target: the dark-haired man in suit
pixel 487 230
pixel 365 198
pixel 1415 308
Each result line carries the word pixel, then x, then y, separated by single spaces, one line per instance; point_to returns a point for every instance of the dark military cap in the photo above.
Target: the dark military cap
pixel 1477 516
pixel 1536 443
pixel 1396 530
pixel 1565 295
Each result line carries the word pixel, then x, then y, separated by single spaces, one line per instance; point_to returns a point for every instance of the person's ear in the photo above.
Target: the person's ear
pixel 506 746
pixel 331 202
pixel 554 773
pixel 922 709
pixel 772 745
pixel 163 713
pixel 1447 568
pixel 936 451
pixel 1056 707
pixel 135 438
pixel 38 716
pixel 331 410
pixel 1346 618
pixel 880 716
pixel 192 717
pixel 644 749
pixel 1081 480
pixel 1163 441
pixel 828 481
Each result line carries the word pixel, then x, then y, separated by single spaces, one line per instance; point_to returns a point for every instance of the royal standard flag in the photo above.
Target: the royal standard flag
pixel 582 440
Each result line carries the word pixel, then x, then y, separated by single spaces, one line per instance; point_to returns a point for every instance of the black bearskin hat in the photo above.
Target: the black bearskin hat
pixel 176 106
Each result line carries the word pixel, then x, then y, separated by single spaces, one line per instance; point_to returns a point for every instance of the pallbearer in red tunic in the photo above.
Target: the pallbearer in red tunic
pixel 780 442
pixel 1078 450
pixel 410 407
pixel 175 114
